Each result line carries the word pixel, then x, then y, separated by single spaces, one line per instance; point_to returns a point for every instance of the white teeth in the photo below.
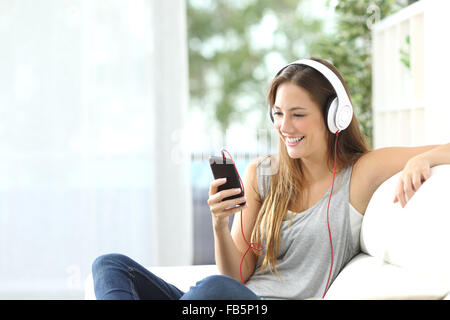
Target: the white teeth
pixel 294 140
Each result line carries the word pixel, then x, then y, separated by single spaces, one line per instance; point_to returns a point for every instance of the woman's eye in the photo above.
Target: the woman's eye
pixel 295 114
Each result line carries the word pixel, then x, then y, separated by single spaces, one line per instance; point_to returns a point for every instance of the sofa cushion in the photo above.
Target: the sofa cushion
pixel 367 277
pixel 416 237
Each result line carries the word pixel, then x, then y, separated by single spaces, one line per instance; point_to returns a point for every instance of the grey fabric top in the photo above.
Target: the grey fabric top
pixel 303 260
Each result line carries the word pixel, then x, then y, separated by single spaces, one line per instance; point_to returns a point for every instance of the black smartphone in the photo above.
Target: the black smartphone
pixel 225 169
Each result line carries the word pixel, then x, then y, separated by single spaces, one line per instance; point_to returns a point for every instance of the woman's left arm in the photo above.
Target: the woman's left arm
pixel 380 164
pixel 417 170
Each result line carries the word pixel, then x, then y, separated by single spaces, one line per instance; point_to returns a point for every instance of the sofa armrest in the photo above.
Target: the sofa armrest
pixel 415 237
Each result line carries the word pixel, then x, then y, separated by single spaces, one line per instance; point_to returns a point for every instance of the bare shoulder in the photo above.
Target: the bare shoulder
pixel 251 179
pixel 251 174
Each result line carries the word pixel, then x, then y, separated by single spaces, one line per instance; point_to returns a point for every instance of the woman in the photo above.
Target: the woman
pixel 307 236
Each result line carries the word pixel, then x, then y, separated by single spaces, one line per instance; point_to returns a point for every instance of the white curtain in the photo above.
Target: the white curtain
pixel 92 94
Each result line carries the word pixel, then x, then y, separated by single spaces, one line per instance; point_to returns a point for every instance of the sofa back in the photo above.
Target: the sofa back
pixel 415 237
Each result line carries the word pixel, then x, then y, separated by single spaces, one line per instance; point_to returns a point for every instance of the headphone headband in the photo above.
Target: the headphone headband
pixel 328 74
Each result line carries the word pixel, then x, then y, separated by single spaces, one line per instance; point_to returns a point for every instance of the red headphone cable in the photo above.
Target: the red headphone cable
pixel 328 220
pixel 251 245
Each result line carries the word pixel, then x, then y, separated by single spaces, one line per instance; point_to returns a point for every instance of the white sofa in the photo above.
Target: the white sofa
pixel 405 251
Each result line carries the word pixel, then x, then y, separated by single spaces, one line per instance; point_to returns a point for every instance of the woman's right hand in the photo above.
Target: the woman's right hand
pixel 220 209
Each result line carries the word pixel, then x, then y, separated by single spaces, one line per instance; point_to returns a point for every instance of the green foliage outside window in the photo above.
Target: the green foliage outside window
pixel 229 71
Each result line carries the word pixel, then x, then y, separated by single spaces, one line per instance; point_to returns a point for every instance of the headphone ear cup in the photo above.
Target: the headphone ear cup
pixel 331 114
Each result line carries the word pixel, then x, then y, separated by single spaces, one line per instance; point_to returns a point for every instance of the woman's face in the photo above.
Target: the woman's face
pixel 299 121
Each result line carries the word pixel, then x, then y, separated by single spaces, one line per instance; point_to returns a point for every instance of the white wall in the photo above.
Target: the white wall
pixel 437 71
pixel 410 106
pixel 90 94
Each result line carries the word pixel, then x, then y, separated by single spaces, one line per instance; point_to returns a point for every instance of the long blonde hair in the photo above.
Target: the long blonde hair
pixel 287 183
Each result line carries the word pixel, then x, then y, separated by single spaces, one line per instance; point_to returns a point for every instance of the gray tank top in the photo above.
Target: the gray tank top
pixel 303 261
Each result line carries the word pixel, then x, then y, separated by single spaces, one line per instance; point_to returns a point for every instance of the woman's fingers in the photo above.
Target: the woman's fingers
pixel 400 193
pixel 215 185
pixel 408 189
pixel 219 196
pixel 416 171
pixel 401 196
pixel 222 213
pixel 224 205
pixel 408 186
pixel 426 174
pixel 219 208
pixel 417 182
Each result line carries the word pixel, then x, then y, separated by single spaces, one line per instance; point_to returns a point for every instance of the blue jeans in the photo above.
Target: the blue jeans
pixel 117 277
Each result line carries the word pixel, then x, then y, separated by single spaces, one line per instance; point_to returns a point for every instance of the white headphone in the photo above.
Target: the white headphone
pixel 340 109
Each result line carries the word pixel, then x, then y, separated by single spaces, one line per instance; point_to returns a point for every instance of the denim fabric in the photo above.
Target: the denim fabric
pixel 117 277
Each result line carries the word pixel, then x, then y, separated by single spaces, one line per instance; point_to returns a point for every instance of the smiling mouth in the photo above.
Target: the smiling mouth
pixel 293 141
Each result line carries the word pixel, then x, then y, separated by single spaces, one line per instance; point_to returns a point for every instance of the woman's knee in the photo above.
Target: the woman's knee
pixel 108 260
pixel 218 280
pixel 218 287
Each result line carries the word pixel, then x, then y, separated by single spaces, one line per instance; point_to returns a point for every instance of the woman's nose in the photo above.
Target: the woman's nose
pixel 285 124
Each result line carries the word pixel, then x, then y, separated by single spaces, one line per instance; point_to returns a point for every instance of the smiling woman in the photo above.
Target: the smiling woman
pixel 308 142
pixel 287 210
pixel 284 221
pixel 301 88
